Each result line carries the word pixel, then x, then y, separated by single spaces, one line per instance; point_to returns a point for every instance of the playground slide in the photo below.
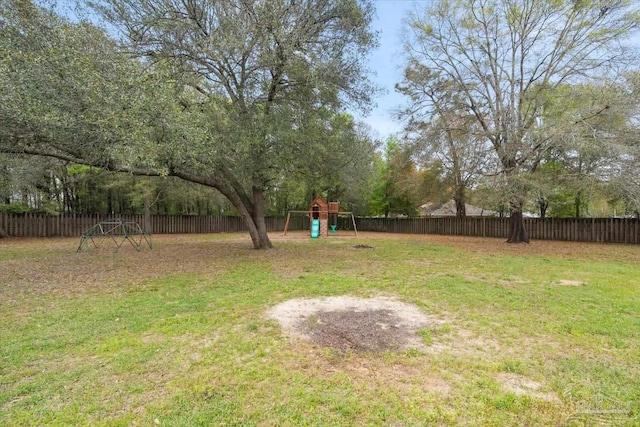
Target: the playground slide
pixel 315 228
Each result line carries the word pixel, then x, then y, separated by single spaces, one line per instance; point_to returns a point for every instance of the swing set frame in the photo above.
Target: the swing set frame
pixel 311 214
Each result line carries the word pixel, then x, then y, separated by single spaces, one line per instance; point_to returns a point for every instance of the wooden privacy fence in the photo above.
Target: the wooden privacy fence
pixel 37 225
pixel 612 230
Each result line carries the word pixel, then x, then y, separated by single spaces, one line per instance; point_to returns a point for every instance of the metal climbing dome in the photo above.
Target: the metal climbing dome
pixel 116 231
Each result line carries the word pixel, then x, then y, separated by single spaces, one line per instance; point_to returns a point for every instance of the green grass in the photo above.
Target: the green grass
pixel 180 336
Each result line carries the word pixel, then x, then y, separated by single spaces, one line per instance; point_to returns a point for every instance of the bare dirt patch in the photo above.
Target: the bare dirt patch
pixel 570 283
pixel 521 385
pixel 374 330
pixel 375 325
pixel 353 324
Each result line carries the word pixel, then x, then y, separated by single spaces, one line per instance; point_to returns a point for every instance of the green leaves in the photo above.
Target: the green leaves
pixel 66 83
pixel 214 92
pixel 510 71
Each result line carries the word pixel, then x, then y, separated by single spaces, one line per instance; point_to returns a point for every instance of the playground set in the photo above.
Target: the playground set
pixel 323 217
pixel 116 231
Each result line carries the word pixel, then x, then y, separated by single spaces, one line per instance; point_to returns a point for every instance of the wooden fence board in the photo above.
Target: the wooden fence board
pixel 610 230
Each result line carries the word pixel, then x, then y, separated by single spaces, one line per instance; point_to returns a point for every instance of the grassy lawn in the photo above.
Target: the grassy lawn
pixel 526 335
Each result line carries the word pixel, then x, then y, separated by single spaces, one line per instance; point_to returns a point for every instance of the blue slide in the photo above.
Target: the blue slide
pixel 315 228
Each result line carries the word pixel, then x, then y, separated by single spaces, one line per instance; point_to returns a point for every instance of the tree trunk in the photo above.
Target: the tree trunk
pixel 260 239
pixel 256 225
pixel 147 212
pixel 458 196
pixel 517 232
pixel 253 232
pixel 543 204
pixel 461 208
pixel 258 218
pixel 251 211
pixel 577 202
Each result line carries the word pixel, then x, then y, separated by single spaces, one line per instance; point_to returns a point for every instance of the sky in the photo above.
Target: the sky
pixel 387 61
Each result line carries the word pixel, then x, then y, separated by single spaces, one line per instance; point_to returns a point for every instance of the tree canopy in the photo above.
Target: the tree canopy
pixel 218 93
pixel 500 62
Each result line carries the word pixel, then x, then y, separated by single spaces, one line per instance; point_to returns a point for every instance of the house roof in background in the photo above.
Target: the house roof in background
pixel 449 209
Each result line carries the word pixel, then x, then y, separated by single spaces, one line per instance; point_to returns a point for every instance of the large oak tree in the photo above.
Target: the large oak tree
pixel 504 59
pixel 270 61
pixel 219 94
